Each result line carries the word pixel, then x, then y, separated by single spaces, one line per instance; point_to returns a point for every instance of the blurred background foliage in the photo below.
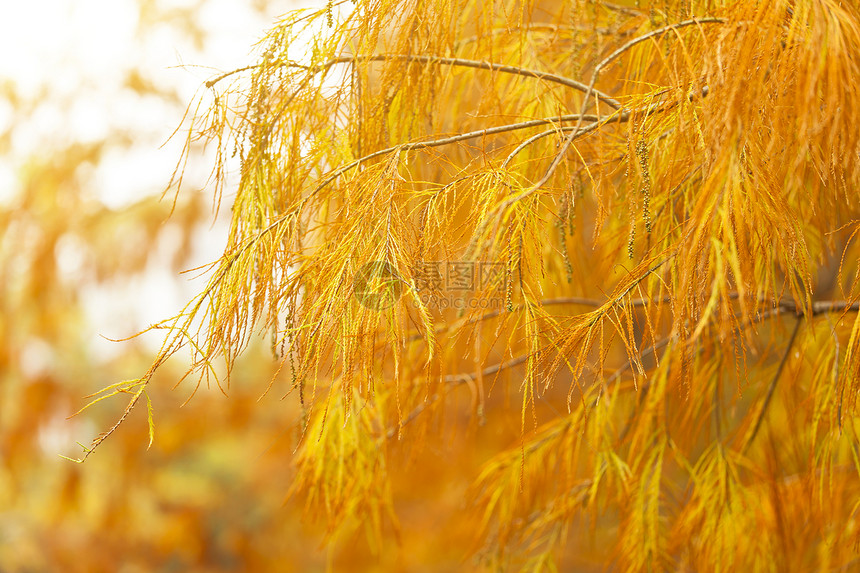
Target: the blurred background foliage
pixel 91 250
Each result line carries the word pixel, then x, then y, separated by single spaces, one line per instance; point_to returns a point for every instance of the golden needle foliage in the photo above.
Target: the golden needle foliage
pixel 669 190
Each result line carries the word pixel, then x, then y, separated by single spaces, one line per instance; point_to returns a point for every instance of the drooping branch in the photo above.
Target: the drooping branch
pixel 578 131
pixel 438 60
pixel 543 27
pixel 488 371
pixel 818 308
pixel 588 93
pixel 417 145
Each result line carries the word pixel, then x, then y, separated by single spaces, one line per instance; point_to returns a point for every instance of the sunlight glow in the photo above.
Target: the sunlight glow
pixel 120 72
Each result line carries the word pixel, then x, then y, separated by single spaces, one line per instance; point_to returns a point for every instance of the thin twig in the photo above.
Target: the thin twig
pixel 415 145
pixel 539 27
pixel 395 430
pixel 772 386
pixel 531 140
pixel 647 386
pixel 490 370
pixel 820 307
pixel 569 300
pixel 460 62
pixel 461 378
pixel 588 92
pixel 627 10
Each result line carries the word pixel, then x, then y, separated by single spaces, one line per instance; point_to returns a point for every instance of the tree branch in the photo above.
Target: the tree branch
pixel 490 370
pixel 772 386
pixel 460 62
pixel 602 64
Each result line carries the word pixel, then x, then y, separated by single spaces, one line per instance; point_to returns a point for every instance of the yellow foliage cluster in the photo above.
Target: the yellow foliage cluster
pixel 668 191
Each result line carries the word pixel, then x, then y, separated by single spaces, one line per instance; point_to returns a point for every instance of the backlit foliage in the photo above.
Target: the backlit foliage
pixel 669 189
